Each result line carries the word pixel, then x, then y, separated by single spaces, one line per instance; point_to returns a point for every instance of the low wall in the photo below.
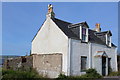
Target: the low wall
pixel 47 65
pixel 24 62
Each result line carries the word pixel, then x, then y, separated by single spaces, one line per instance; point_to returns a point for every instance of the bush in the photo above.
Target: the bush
pixel 114 74
pixel 62 75
pixel 91 73
pixel 20 74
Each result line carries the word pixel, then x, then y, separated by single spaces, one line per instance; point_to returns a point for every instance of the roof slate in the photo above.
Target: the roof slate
pixel 104 32
pixel 63 25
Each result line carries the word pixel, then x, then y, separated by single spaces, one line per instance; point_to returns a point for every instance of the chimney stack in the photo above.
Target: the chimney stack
pixel 97 28
pixel 50 12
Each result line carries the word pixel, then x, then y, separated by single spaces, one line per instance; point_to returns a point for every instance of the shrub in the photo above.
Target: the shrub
pixel 62 75
pixel 114 74
pixel 91 73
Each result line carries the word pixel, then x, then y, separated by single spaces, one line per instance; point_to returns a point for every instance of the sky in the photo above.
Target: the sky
pixel 21 20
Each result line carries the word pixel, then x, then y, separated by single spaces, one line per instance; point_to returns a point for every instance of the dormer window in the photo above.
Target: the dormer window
pixel 80 30
pixel 84 34
pixel 105 37
pixel 108 40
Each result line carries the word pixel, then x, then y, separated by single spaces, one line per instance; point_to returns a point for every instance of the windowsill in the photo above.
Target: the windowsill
pixel 83 41
pixel 108 46
pixel 83 70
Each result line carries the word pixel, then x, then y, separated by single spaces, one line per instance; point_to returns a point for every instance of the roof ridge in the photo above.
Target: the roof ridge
pixel 62 20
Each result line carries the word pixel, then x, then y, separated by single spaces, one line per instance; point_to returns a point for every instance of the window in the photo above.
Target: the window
pixel 83 63
pixel 84 34
pixel 108 40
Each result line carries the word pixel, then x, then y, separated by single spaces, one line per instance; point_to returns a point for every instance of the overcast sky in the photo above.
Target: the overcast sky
pixel 21 21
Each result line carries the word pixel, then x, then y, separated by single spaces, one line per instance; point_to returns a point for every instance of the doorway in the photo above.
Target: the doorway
pixel 103 65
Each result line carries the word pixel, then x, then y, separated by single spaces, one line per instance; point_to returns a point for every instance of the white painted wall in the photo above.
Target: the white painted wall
pixel 79 49
pixel 111 52
pixel 50 39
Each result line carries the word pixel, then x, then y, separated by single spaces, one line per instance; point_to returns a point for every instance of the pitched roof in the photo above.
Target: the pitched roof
pixel 104 32
pixel 63 25
pixel 78 24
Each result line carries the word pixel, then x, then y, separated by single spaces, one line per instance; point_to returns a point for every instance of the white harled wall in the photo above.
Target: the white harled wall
pixel 50 39
pixel 111 52
pixel 78 49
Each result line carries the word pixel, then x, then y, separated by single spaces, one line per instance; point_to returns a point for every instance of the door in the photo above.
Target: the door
pixel 103 65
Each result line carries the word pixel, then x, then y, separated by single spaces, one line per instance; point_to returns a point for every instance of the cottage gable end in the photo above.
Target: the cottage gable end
pixel 48 38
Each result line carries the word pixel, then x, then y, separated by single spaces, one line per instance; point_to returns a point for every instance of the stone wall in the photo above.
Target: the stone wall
pixel 24 62
pixel 48 65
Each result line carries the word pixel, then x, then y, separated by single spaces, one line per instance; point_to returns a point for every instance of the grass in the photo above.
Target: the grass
pixel 10 74
pixel 114 73
pixel 20 74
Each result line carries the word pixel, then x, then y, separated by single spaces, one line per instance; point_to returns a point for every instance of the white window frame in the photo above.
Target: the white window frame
pixel 86 33
pixel 107 40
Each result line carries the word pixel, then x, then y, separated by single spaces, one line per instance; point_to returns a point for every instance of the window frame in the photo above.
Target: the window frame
pixel 86 34
pixel 83 69
pixel 108 40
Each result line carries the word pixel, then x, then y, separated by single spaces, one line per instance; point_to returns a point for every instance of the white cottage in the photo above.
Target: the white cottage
pixel 81 47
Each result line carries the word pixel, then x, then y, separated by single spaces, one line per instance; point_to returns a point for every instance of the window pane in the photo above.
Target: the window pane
pixel 83 63
pixel 84 31
pixel 83 37
pixel 108 40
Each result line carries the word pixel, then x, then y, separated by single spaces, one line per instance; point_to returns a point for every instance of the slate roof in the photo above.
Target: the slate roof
pixel 63 25
pixel 105 32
